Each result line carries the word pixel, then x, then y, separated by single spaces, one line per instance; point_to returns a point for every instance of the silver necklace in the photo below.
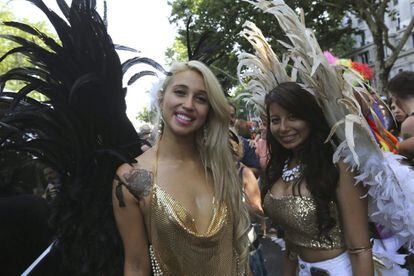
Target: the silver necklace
pixel 291 175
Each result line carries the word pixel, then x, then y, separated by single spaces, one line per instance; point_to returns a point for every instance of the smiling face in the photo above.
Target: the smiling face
pixel 288 130
pixel 185 103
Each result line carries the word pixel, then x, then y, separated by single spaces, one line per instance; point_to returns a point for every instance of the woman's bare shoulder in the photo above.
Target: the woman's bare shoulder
pixel 147 159
pixel 138 177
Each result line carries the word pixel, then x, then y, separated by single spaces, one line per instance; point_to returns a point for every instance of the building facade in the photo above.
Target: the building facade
pixel 401 13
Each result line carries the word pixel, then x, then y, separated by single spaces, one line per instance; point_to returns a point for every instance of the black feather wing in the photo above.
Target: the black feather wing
pixel 82 130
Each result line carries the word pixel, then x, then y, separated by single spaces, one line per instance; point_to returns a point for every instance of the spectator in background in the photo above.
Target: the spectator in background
pixel 253 200
pixel 250 185
pixel 24 214
pixel 232 110
pixel 249 158
pixel 145 135
pixel 261 144
pixel 401 88
pixel 243 129
pixel 399 116
pixel 53 183
pixel 254 129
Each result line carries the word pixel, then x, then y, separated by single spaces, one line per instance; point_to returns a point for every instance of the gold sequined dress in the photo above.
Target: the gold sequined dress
pixel 178 248
pixel 297 215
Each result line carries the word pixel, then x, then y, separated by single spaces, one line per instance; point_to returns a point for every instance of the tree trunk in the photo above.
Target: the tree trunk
pixel 382 81
pixel 381 73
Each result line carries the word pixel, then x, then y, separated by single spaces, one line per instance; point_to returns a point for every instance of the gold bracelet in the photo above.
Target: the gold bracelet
pixel 359 250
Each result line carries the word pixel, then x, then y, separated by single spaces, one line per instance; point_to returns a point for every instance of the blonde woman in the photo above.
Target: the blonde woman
pixel 179 209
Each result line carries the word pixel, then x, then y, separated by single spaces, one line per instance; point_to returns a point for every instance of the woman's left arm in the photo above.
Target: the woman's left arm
pixel 354 214
pixel 252 191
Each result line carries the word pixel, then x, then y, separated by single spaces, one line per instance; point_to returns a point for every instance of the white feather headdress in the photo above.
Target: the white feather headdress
pixel 391 184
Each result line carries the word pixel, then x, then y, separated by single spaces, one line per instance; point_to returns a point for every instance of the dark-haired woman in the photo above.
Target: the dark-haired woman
pixel 399 116
pixel 315 201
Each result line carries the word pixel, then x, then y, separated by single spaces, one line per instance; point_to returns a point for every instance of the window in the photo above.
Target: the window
pixel 363 42
pixel 395 19
pixel 412 8
pixel 364 57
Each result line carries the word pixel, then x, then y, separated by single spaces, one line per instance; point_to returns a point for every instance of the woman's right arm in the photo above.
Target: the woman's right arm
pixel 353 207
pixel 131 226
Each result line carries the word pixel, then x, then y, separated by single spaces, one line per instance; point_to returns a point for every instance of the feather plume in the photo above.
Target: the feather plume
pixel 207 49
pixel 342 94
pixel 81 131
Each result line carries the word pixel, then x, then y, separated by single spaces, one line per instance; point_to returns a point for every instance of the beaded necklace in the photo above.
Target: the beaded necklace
pixel 291 175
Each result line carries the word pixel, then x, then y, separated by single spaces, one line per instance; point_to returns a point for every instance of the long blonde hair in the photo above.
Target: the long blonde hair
pixel 215 152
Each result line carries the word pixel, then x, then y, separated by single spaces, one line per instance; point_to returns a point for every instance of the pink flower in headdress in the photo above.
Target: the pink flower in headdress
pixel 330 57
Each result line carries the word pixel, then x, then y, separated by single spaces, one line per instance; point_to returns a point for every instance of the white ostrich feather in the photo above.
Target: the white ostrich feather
pixel 390 183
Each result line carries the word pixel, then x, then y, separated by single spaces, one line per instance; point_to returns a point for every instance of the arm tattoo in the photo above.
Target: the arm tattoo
pixel 138 182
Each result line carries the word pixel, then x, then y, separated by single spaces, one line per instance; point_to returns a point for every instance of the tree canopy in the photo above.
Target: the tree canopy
pixel 13 61
pixel 326 18
pixel 374 14
pixel 146 115
pixel 226 18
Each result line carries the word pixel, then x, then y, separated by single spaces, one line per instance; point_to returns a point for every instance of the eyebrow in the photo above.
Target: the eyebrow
pixel 180 86
pixel 186 87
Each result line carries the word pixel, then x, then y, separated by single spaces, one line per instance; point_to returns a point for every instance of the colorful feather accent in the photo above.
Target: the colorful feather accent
pixel 363 69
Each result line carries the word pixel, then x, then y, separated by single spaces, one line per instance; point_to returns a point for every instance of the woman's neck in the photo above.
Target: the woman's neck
pixel 294 159
pixel 177 148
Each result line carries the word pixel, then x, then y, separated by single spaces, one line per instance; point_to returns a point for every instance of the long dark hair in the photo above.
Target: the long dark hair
pixel 320 173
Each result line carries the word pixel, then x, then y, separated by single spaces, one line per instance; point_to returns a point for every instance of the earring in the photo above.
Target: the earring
pixel 160 122
pixel 160 126
pixel 205 134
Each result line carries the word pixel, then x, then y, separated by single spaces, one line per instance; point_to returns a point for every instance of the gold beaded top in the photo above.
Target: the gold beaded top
pixel 180 214
pixel 297 215
pixel 179 248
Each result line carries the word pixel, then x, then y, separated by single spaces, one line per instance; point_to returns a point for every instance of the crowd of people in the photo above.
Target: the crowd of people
pixel 207 186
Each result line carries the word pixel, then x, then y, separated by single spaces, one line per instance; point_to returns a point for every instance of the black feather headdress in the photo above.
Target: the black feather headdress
pixel 208 48
pixel 81 130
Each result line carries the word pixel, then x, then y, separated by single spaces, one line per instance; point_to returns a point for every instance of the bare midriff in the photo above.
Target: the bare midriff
pixel 312 255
